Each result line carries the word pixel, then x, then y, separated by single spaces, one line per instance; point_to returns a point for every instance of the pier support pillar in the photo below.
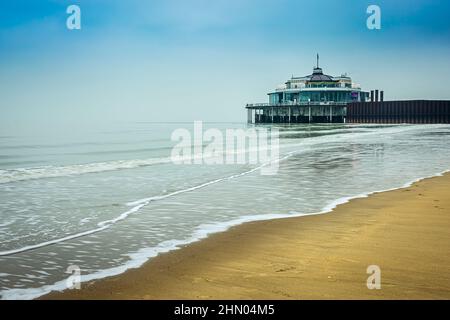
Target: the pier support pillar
pixel 331 114
pixel 309 114
pixel 249 116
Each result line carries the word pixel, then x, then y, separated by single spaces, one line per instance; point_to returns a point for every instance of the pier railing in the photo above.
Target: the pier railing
pixel 296 103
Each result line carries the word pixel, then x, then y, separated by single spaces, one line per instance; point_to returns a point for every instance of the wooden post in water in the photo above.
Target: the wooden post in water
pixel 249 115
pixel 331 114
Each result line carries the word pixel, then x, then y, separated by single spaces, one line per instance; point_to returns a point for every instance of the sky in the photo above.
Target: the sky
pixel 186 60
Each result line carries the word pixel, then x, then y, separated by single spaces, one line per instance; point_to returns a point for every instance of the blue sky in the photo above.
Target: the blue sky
pixel 188 60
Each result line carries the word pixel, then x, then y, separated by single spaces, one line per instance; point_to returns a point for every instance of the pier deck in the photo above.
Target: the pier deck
pixel 407 111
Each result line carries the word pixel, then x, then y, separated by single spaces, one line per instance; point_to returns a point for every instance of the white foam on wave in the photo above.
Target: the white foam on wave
pixel 136 206
pixel 304 144
pixel 141 256
pixel 21 174
pixel 154 198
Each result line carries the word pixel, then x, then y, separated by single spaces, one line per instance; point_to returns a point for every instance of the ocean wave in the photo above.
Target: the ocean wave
pixel 138 204
pixel 135 206
pixel 21 174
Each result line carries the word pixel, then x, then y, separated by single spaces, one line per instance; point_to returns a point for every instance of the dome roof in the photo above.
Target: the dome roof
pixel 318 76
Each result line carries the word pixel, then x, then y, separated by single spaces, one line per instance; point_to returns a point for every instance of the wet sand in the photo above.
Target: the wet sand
pixel 405 232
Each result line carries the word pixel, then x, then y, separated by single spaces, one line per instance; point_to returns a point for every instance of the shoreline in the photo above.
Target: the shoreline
pixel 147 254
pixel 164 268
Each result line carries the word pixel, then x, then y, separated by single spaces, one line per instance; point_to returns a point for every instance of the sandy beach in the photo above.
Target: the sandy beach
pixel 405 232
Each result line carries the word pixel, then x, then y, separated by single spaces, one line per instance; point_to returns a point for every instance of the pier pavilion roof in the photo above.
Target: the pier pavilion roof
pixel 318 76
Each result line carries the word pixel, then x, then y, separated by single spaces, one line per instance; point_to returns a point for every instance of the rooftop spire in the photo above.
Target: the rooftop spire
pixel 317 60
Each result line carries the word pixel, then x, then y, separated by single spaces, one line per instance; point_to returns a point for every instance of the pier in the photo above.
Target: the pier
pixel 406 111
pixel 321 98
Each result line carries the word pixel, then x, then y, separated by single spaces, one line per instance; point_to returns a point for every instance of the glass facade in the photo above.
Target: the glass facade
pixel 317 96
pixel 326 96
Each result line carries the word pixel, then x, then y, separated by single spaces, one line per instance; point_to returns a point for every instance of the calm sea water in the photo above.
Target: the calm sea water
pixel 107 201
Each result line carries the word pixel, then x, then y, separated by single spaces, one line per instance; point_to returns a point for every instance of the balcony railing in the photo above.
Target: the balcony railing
pixel 298 103
pixel 323 88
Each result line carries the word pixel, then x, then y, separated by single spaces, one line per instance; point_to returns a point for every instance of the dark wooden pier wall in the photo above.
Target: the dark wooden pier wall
pixel 412 111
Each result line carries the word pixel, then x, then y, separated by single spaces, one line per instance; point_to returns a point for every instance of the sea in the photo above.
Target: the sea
pixel 104 201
